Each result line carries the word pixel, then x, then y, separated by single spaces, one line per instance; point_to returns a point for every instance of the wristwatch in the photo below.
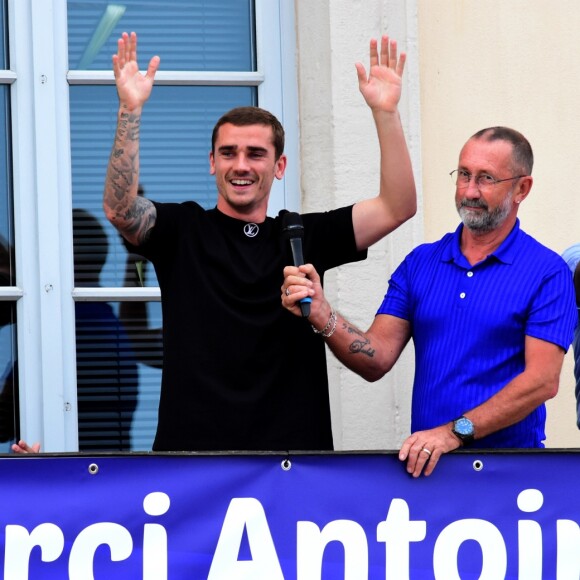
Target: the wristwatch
pixel 463 429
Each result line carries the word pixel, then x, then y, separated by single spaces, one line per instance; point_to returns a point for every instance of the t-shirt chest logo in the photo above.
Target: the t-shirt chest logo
pixel 251 230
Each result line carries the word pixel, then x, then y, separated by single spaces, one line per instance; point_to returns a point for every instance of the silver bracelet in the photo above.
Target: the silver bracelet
pixel 330 327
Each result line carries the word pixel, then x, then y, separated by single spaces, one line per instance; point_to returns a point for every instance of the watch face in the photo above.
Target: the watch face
pixel 463 426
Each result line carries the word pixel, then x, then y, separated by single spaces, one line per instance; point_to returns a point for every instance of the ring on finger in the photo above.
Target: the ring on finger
pixel 426 451
pixel 288 291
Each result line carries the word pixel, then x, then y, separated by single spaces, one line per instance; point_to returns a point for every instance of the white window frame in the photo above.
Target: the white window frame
pixel 44 291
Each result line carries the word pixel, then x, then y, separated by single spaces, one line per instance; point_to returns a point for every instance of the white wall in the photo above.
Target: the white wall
pixel 340 165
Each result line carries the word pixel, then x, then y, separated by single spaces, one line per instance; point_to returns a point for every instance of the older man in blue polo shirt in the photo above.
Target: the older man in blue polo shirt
pixel 490 310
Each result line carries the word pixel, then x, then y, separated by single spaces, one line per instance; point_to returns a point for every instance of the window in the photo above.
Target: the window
pixel 91 357
pixel 8 291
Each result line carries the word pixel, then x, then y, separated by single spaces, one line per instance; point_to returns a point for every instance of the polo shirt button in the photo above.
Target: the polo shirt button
pixel 469 274
pixel 462 295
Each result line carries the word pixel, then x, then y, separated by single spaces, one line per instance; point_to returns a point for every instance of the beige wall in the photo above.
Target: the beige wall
pixel 471 64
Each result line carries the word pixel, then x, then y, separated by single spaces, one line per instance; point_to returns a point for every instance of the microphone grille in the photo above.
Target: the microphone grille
pixel 292 225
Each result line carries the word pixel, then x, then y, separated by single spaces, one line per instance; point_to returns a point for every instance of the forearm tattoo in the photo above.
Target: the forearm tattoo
pixel 361 344
pixel 136 214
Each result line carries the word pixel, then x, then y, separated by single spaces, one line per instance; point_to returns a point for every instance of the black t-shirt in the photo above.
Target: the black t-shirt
pixel 240 372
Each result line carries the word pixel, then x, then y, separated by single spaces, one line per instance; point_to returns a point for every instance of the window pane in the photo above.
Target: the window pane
pixel 175 145
pixel 7 269
pixel 9 422
pixel 201 35
pixel 119 359
pixel 91 248
pixel 3 35
pixel 9 415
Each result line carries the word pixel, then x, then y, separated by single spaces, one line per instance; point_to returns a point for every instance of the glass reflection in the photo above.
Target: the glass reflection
pixel 192 35
pixel 118 356
pixel 3 35
pixel 9 413
pixel 9 409
pixel 119 360
pixel 7 265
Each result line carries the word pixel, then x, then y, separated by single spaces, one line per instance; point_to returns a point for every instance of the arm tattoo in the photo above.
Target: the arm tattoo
pixel 128 127
pixel 123 175
pixel 140 218
pixel 360 344
pixel 123 164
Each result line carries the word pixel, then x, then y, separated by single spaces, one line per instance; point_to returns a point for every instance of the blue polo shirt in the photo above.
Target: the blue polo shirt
pixel 469 324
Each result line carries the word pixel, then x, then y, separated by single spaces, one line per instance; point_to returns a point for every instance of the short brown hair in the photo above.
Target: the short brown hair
pixel 244 116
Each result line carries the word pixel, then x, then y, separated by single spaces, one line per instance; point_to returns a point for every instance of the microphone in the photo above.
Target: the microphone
pixel 293 230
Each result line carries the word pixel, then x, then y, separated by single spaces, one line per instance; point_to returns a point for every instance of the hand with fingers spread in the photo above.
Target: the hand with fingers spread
pixel 133 88
pixel 382 87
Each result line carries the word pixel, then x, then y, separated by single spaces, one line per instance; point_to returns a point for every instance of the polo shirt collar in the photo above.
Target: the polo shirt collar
pixel 505 253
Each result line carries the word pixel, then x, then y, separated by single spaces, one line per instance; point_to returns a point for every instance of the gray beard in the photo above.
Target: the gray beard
pixel 485 221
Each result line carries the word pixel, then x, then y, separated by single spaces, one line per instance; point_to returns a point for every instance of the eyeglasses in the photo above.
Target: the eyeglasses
pixel 484 181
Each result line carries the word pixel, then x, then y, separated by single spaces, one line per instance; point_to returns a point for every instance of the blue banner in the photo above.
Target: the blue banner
pixel 488 515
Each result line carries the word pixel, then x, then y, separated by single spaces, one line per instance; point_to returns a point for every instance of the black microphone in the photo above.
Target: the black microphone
pixel 293 230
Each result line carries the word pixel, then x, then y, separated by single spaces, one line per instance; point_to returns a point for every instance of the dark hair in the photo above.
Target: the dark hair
pixel 522 155
pixel 244 116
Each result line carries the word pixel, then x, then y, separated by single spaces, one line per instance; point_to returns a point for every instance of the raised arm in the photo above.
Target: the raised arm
pixel 397 200
pixel 132 215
